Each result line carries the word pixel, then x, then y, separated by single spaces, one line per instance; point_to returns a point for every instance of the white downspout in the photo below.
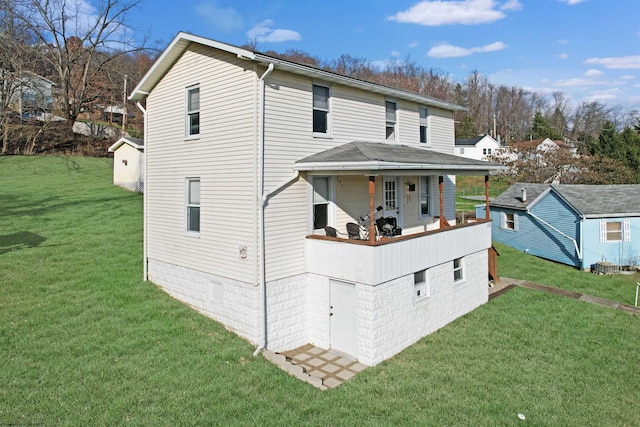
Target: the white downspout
pixel 575 244
pixel 144 193
pixel 261 202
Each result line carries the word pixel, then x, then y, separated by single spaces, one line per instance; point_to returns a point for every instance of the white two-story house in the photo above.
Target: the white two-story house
pixel 251 159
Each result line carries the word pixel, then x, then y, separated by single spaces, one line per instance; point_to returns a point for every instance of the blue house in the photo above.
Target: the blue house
pixel 578 225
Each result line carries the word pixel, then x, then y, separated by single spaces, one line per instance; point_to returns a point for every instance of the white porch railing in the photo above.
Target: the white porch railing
pixel 358 261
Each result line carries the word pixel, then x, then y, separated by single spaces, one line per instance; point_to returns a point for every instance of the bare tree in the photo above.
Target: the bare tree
pixel 79 44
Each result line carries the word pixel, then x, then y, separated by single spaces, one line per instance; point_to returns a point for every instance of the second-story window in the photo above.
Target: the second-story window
pixel 391 112
pixel 321 96
pixel 424 126
pixel 193 111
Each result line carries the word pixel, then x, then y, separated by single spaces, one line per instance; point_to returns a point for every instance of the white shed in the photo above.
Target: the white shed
pixel 128 163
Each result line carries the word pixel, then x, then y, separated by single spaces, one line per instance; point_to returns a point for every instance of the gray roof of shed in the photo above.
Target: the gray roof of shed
pixel 377 156
pixel 587 200
pixel 469 141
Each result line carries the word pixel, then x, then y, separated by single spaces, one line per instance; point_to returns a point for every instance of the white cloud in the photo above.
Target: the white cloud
pixel 603 95
pixel 466 12
pixel 562 55
pixel 446 50
pixel 593 73
pixel 617 63
pixel 577 82
pixel 627 77
pixel 226 19
pixel 263 33
pixel 571 2
pixel 563 41
pixel 413 44
pixel 395 53
pixel 512 5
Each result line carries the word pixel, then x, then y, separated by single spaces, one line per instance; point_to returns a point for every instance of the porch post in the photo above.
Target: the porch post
pixel 372 224
pixel 441 189
pixel 486 196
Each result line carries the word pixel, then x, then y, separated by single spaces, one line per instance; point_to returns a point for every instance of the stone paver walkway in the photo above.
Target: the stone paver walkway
pixel 507 283
pixel 321 368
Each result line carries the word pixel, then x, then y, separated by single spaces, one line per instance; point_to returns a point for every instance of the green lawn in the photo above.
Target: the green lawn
pixel 84 342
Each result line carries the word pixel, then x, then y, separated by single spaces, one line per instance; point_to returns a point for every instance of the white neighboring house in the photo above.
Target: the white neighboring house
pixel 250 160
pixel 128 163
pixel 28 94
pixel 478 147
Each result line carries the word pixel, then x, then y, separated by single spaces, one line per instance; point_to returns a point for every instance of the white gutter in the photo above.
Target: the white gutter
pixel 144 194
pixel 262 203
pixel 575 244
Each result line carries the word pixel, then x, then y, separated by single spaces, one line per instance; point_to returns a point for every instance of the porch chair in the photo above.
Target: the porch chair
pixel 332 232
pixel 353 230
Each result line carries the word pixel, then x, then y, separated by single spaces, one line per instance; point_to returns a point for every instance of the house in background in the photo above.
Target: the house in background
pixel 128 163
pixel 251 160
pixel 28 94
pixel 479 147
pixel 578 225
pixel 542 145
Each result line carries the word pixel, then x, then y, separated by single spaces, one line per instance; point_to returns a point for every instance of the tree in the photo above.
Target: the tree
pixel 542 129
pixel 79 45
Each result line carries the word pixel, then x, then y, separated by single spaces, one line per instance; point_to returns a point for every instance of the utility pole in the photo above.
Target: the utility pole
pixel 124 105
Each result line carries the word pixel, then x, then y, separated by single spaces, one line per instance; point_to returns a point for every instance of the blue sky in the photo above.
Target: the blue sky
pixel 589 49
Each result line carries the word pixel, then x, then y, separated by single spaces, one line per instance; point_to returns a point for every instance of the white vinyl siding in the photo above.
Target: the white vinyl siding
pixel 224 157
pixel 441 130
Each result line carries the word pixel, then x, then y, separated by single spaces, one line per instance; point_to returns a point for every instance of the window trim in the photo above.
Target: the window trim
pixel 429 186
pixel 504 221
pixel 188 205
pixel 328 133
pixel 421 286
pixel 395 121
pixel 460 269
pixel 425 122
pixel 189 113
pixel 330 203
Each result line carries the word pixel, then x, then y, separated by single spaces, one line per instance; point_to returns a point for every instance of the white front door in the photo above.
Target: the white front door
pixel 343 317
pixel 390 197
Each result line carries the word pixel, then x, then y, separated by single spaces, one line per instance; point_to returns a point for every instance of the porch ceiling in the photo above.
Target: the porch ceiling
pixel 374 157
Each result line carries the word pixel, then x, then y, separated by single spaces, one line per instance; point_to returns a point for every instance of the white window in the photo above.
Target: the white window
pixel 193 205
pixel 486 151
pixel 321 104
pixel 462 150
pixel 508 221
pixel 391 114
pixel 193 111
pixel 424 127
pixel 421 287
pixel 425 197
pixel 321 202
pixel 457 270
pixel 615 230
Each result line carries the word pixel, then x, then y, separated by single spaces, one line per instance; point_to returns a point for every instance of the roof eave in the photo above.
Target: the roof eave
pixel 392 166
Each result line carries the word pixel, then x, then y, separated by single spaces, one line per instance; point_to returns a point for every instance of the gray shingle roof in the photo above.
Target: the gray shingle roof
pixel 375 155
pixel 468 141
pixel 588 200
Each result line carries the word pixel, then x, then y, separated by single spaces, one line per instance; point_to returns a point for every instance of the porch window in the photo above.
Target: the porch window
pixel 425 196
pixel 392 120
pixel 420 284
pixel 457 270
pixel 424 126
pixel 193 205
pixel 321 95
pixel 321 202
pixel 193 111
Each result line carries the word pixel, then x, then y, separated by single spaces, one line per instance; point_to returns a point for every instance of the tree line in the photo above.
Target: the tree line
pixel 89 56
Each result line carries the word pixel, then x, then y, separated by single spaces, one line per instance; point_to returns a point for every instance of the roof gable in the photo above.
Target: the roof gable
pixel 137 143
